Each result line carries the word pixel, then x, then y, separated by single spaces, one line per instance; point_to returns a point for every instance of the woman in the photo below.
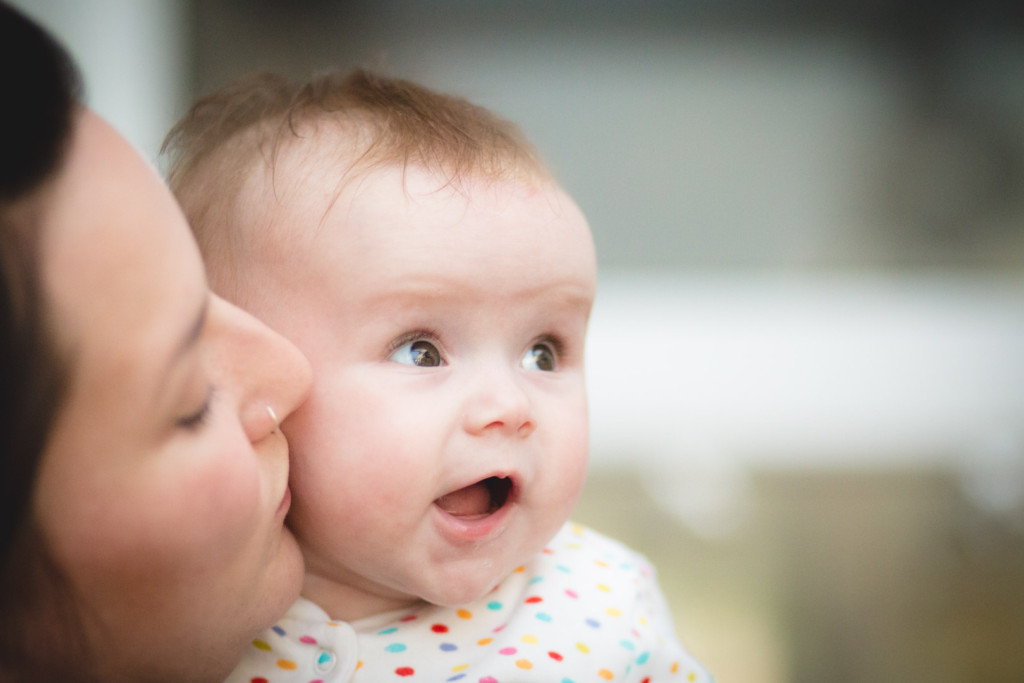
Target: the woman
pixel 143 478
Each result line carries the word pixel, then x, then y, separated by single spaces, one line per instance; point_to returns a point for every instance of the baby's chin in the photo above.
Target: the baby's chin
pixel 461 593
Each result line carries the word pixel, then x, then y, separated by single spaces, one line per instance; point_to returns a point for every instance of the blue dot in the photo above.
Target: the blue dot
pixel 564 569
pixel 494 605
pixel 627 644
pixel 448 647
pixel 395 647
pixel 642 659
pixel 278 630
pixel 456 677
pixel 593 623
pixel 544 616
pixel 567 680
pixel 536 579
pixel 387 631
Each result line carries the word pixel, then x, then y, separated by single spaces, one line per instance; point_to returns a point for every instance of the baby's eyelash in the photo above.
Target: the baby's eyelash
pixel 555 342
pixel 410 337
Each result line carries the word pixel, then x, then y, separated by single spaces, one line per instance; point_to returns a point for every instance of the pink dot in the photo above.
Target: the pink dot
pixel 308 639
pixel 507 651
pixel 408 617
pixel 488 679
pixel 571 593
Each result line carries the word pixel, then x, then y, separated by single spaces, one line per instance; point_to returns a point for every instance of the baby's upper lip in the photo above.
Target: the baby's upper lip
pixel 501 474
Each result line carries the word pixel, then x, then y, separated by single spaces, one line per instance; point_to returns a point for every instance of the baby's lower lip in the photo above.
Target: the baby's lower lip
pixel 472 527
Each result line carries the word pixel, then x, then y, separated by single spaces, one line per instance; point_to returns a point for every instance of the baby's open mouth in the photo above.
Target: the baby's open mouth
pixel 477 500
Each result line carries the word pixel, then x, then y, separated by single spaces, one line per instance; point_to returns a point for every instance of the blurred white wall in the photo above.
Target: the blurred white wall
pixel 132 54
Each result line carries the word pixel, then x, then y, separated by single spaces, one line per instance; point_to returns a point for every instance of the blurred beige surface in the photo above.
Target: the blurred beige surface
pixel 885 576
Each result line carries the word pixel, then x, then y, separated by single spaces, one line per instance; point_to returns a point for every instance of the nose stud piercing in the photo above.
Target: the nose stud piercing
pixel 273 416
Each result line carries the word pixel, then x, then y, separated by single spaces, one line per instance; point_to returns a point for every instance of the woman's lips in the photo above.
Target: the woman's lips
pixel 286 500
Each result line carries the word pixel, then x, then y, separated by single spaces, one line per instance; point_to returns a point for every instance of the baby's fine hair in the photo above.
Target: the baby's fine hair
pixel 387 122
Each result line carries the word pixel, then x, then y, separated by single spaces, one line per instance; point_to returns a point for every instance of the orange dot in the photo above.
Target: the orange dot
pixel 675 667
pixel 359 665
pixel 287 665
pixel 606 674
pixel 464 614
pixel 520 569
pixel 524 664
pixel 485 641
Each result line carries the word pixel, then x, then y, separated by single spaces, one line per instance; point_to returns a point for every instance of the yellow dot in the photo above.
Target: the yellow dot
pixel 464 614
pixel 460 667
pixel 332 623
pixel 577 529
pixel 583 648
pixel 287 665
pixel 642 620
pixel 613 612
pixel 601 563
pixel 604 587
pixel 529 638
pixel 691 677
pixel 524 664
pixel 261 645
pixel 573 546
pixel 606 674
pixel 485 641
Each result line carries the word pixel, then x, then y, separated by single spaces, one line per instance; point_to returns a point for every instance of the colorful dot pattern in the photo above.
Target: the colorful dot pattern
pixel 585 609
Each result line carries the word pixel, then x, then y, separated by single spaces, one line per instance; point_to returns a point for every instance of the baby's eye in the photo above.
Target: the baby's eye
pixel 420 353
pixel 539 357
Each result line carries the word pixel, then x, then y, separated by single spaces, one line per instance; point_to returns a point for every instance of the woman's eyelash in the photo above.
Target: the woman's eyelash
pixel 198 418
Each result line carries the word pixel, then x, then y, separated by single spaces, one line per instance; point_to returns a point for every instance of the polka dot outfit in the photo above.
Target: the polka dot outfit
pixel 586 609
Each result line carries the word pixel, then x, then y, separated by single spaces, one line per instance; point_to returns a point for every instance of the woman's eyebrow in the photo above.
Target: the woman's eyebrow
pixel 191 336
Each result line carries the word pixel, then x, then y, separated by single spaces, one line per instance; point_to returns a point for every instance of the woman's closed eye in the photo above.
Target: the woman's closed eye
pixel 418 352
pixel 196 418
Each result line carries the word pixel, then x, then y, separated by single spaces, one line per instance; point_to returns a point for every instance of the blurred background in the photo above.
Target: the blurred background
pixel 806 360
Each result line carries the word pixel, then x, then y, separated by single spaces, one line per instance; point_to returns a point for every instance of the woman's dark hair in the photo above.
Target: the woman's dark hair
pixel 41 91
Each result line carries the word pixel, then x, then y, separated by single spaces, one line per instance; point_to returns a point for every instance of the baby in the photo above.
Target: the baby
pixel 440 283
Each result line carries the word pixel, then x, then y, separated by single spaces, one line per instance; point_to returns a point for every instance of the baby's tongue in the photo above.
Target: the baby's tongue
pixel 472 500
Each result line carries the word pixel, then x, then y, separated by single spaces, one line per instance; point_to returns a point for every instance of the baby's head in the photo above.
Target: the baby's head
pixel 440 283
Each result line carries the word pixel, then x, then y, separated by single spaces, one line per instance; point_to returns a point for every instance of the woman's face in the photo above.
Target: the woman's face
pixel 163 487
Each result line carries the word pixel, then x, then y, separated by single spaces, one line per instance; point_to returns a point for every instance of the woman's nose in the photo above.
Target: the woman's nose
pixel 498 402
pixel 271 375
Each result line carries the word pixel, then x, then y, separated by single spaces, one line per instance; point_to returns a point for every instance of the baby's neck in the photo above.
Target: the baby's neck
pixel 347 603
